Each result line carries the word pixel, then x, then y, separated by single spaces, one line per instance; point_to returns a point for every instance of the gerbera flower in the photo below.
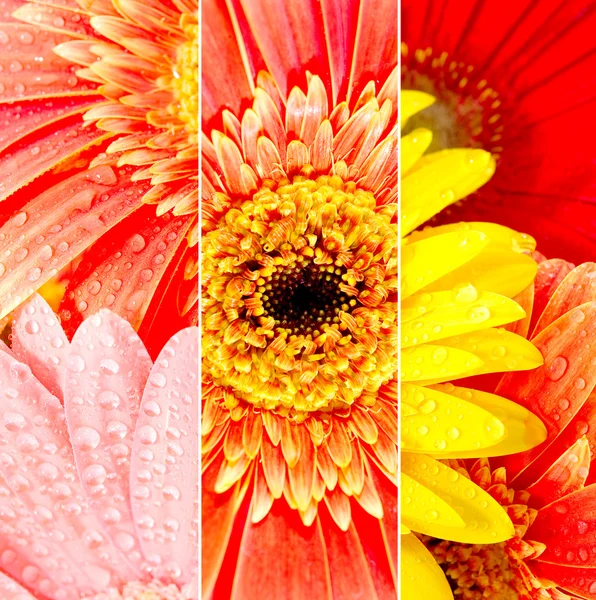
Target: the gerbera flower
pixel 512 79
pixel 99 462
pixel 99 149
pixel 457 285
pixel 300 313
pixel 548 491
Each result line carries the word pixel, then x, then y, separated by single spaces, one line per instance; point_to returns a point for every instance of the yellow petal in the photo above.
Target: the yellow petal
pixel 499 349
pixel 420 576
pixel 446 423
pixel 440 179
pixel 413 146
pixel 412 102
pixel 523 429
pixel 462 310
pixel 421 508
pixel 501 237
pixel 486 522
pixel 503 272
pixel 437 363
pixel 430 260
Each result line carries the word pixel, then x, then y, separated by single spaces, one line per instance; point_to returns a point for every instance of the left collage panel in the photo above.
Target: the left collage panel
pixel 299 283
pixel 99 358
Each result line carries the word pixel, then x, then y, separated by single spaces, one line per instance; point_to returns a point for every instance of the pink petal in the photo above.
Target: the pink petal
pixel 24 76
pixel 12 590
pixel 107 369
pixel 40 342
pixel 38 466
pixel 53 224
pixel 164 466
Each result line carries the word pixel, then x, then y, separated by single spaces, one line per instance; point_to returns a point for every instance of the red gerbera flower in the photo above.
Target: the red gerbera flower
pixel 515 78
pixel 549 491
pixel 98 101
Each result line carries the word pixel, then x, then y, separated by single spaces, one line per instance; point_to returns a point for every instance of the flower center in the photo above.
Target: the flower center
pixel 186 76
pixel 477 571
pixel 466 112
pixel 300 308
pixel 142 591
pixel 303 297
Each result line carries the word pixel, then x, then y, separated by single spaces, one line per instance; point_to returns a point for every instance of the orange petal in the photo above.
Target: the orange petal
pixel 300 561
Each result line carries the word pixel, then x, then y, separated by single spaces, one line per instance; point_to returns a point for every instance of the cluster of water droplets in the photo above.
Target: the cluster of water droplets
pixel 34 68
pixel 123 507
pixel 49 238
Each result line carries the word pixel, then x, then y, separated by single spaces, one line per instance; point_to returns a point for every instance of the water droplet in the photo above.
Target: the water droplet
pixel 557 368
pixel 147 435
pixel 94 475
pixel 19 219
pixel 158 380
pixel 14 421
pixel 86 438
pixel 75 363
pixel 109 400
pixel 109 366
pixel 137 242
pixel 20 372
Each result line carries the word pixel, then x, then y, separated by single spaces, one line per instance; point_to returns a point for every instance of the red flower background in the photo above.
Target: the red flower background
pixel 540 58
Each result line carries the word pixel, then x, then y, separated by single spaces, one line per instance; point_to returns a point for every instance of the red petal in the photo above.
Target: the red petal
pixel 281 555
pixel 568 528
pixel 124 269
pixel 581 581
pixel 566 475
pixel 25 76
pixel 31 157
pixel 58 225
pixel 556 391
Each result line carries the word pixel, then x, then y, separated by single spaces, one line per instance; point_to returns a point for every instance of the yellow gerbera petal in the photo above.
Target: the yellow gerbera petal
pixel 412 102
pixel 429 260
pixel 523 429
pixel 421 576
pixel 429 317
pixel 440 179
pixel 437 363
pixel 503 272
pixel 413 146
pixel 446 423
pixel 501 237
pixel 421 508
pixel 486 522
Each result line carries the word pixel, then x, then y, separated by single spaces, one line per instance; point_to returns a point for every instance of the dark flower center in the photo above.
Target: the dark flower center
pixel 302 298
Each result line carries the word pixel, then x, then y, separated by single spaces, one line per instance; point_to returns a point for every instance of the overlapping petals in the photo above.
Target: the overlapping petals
pixel 99 469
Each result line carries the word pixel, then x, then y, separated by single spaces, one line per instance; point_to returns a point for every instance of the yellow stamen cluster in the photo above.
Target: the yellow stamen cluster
pixel 477 571
pixel 186 76
pixel 300 310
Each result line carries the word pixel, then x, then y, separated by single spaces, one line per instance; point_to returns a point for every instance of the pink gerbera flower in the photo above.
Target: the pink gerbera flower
pixel 98 465
pixel 98 104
